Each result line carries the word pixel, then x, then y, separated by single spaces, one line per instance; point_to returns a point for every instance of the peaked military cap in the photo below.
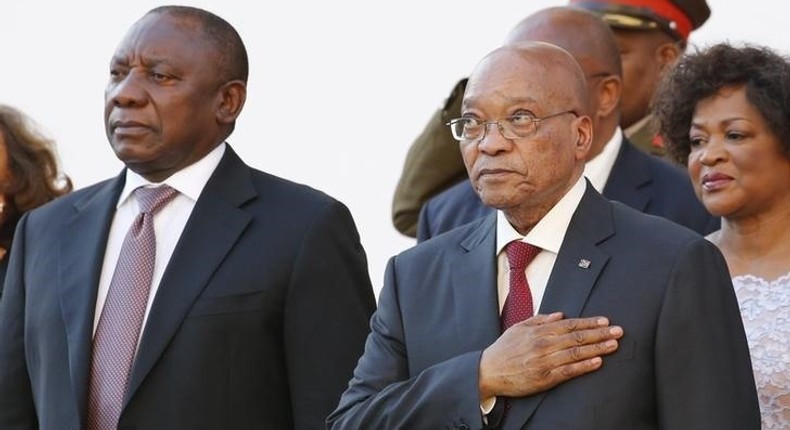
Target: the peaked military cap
pixel 678 18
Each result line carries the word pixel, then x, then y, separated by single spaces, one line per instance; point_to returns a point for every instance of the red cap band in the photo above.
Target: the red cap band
pixel 663 9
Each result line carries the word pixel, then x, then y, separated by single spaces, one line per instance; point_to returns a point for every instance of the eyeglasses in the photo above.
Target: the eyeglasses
pixel 513 127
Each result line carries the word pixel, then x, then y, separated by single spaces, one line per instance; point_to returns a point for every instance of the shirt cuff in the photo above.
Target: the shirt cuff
pixel 487 405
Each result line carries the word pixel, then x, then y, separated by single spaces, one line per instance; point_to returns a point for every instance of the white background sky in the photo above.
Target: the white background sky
pixel 337 90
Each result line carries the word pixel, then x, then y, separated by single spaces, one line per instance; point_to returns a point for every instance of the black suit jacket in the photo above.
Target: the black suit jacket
pixel 642 181
pixel 3 269
pixel 258 321
pixel 683 362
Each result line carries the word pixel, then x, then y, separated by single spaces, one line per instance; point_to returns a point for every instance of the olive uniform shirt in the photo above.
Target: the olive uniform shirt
pixel 432 165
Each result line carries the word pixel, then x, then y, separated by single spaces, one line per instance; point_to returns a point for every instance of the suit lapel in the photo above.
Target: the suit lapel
pixel 578 265
pixel 473 277
pixel 81 253
pixel 629 176
pixel 215 225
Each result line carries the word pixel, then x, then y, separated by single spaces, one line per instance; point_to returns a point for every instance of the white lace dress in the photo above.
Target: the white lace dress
pixel 765 308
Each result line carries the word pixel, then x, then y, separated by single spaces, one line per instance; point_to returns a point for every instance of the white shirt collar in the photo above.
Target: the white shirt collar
pixel 188 181
pixel 549 232
pixel 599 168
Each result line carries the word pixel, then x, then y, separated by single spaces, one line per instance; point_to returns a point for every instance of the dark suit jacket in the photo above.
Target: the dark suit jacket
pixel 644 182
pixel 3 269
pixel 258 322
pixel 683 362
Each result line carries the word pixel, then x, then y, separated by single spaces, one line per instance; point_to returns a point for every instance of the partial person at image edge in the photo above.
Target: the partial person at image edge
pixel 29 175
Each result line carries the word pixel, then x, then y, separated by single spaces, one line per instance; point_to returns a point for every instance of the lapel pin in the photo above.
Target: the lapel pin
pixel 584 263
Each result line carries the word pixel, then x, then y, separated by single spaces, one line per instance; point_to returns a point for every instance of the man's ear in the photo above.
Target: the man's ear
pixel 667 54
pixel 232 96
pixel 584 136
pixel 609 95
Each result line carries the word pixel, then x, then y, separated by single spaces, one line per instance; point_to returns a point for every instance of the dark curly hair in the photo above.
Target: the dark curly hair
pixel 34 176
pixel 763 73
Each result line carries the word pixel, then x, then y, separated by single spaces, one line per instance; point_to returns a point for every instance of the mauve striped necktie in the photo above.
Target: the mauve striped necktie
pixel 115 341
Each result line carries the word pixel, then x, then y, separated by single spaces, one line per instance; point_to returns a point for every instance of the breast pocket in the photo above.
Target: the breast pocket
pixel 248 302
pixel 626 350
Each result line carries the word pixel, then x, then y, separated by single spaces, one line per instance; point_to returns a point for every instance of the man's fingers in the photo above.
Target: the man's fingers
pixel 588 337
pixel 584 337
pixel 586 352
pixel 579 345
pixel 572 370
pixel 541 319
pixel 576 324
pixel 554 324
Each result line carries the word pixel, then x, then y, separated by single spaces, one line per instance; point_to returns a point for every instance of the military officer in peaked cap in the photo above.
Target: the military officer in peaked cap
pixel 652 35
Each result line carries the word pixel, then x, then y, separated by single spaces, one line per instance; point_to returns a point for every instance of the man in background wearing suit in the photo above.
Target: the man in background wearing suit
pixel 259 295
pixel 651 35
pixel 638 326
pixel 614 166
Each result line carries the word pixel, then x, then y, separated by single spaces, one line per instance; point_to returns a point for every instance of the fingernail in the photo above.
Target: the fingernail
pixel 611 343
pixel 616 331
pixel 603 322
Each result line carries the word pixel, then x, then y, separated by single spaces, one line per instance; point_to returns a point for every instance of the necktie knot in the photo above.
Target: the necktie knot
pixel 520 254
pixel 153 199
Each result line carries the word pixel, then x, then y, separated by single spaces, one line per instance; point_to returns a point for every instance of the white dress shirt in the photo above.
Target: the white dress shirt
pixel 548 235
pixel 169 222
pixel 599 168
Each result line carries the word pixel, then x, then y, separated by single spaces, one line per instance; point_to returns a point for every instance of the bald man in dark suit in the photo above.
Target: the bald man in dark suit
pixel 637 325
pixel 615 167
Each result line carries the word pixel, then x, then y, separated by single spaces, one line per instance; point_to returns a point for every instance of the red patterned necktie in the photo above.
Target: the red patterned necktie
pixel 518 304
pixel 115 341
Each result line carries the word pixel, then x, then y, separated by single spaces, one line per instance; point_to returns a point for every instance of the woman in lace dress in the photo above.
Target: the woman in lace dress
pixel 725 112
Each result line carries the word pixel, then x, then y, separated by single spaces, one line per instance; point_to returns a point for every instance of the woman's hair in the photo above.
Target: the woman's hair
pixel 34 177
pixel 764 74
